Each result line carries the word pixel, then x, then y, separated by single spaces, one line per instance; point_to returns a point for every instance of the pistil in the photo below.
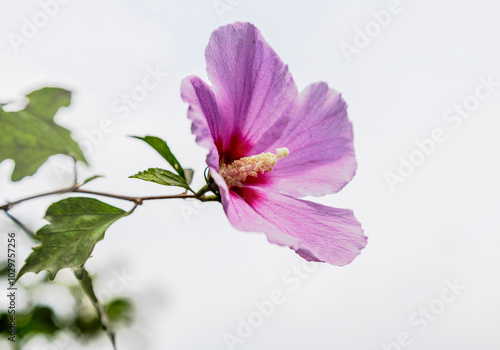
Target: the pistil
pixel 237 172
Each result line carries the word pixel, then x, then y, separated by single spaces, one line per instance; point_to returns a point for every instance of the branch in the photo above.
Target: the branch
pixel 77 189
pixel 138 200
pixel 7 206
pixel 22 226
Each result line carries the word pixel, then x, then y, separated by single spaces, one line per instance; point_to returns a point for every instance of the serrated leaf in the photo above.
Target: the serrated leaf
pixel 30 136
pixel 76 225
pixel 45 102
pixel 162 148
pixel 162 177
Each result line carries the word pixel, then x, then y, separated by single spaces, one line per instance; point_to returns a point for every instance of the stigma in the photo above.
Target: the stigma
pixel 236 173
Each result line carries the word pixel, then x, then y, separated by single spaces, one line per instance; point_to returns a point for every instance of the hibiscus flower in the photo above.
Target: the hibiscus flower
pixel 269 145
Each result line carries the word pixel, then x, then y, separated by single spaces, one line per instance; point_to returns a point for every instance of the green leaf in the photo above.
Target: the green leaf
pixel 38 320
pixel 30 136
pixel 162 177
pixel 119 310
pixel 162 148
pixel 91 178
pixel 76 225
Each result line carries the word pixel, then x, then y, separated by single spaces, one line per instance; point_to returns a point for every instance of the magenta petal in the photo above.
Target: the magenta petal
pixel 253 88
pixel 316 232
pixel 320 141
pixel 245 218
pixel 204 114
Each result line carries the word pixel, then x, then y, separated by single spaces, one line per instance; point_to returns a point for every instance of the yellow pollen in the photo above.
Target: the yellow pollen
pixel 237 172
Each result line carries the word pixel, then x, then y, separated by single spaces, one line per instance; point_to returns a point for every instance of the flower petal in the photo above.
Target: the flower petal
pixel 316 232
pixel 253 88
pixel 319 138
pixel 203 113
pixel 245 218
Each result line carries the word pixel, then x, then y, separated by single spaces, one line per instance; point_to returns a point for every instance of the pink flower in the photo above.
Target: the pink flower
pixel 268 145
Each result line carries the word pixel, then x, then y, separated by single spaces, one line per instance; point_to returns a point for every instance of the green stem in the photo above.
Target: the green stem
pixel 203 190
pixel 86 282
pixel 212 198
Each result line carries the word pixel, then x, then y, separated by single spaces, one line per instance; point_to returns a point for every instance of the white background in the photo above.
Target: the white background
pixel 190 273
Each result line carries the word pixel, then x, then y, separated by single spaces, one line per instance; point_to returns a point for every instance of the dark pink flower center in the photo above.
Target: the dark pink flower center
pixel 239 170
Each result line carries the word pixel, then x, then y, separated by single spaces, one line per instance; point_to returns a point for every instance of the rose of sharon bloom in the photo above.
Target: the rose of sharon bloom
pixel 268 145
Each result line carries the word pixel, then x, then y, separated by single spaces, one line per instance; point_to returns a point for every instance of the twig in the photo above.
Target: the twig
pixel 7 206
pixel 77 189
pixel 22 226
pixel 137 200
